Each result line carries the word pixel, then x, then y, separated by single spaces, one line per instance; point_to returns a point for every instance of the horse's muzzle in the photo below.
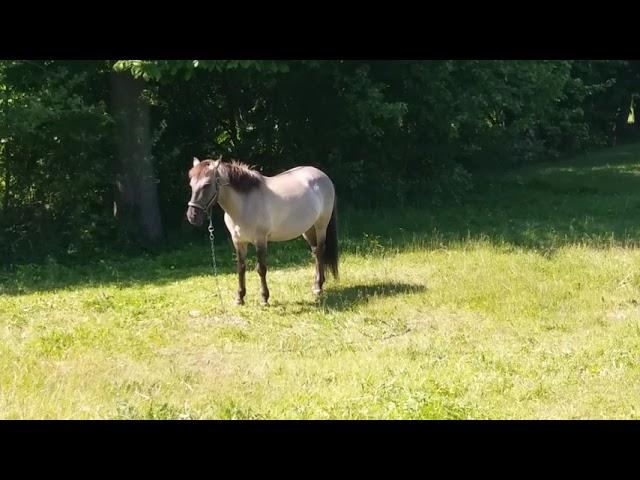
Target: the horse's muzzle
pixel 195 216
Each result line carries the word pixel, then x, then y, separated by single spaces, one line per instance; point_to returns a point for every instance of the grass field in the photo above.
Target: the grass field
pixel 523 302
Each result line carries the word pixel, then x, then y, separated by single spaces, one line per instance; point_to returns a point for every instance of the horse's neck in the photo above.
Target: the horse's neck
pixel 230 201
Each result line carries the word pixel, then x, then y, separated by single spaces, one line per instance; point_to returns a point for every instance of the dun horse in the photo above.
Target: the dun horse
pixel 259 209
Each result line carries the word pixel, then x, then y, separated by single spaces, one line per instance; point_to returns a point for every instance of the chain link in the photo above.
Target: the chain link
pixel 213 259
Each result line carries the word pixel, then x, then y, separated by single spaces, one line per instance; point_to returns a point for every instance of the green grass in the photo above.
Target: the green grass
pixel 523 302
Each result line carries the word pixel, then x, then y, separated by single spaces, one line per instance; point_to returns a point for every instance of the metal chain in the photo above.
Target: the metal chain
pixel 213 260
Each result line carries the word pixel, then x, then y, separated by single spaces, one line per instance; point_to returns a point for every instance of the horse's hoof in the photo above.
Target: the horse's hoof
pixel 239 301
pixel 264 303
pixel 316 291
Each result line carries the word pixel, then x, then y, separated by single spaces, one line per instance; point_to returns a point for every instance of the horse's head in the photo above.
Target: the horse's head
pixel 205 187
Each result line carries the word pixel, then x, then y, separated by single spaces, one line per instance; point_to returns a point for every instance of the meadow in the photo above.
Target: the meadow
pixel 520 302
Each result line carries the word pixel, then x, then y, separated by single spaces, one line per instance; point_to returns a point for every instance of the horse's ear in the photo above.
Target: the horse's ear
pixel 195 161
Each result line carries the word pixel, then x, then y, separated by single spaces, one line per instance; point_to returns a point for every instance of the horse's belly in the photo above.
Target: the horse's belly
pixel 289 232
pixel 289 221
pixel 283 238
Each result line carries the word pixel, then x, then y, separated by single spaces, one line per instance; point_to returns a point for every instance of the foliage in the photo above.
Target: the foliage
pixel 55 160
pixel 388 132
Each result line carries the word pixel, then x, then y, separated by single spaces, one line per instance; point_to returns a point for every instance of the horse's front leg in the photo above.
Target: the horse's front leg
pixel 241 253
pixel 261 252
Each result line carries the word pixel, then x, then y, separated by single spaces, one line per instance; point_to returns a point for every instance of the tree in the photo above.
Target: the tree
pixel 136 204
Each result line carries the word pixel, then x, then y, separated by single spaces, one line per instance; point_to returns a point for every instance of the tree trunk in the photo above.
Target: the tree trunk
pixel 136 203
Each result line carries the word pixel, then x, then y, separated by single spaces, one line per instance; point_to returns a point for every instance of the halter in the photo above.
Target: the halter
pixel 210 202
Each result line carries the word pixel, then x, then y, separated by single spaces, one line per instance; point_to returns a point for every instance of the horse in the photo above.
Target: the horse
pixel 259 209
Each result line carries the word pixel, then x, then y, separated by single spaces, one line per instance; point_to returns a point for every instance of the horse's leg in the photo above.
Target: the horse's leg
pixel 321 235
pixel 261 252
pixel 311 238
pixel 241 252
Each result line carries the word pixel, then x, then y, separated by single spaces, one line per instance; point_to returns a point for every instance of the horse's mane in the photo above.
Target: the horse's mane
pixel 242 178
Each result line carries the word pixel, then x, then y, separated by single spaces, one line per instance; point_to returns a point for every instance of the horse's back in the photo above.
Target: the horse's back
pixel 303 196
pixel 303 172
pixel 301 180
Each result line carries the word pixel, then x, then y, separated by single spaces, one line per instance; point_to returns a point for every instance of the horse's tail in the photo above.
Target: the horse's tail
pixel 331 242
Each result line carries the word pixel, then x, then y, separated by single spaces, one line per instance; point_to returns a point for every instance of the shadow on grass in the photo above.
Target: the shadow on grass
pixel 593 200
pixel 345 298
pixel 166 268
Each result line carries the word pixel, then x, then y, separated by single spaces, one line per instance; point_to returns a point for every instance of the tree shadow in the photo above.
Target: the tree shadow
pixel 591 201
pixel 190 261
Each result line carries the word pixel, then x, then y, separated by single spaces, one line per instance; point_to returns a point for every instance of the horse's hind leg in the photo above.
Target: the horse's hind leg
pixel 241 252
pixel 310 237
pixel 261 251
pixel 317 248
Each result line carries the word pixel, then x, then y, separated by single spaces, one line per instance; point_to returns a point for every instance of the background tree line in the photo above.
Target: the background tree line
pixel 94 154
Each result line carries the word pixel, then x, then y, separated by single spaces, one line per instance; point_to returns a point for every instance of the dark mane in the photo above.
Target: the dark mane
pixel 241 177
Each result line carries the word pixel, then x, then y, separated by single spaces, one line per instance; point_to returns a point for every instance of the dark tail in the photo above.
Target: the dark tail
pixel 331 242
